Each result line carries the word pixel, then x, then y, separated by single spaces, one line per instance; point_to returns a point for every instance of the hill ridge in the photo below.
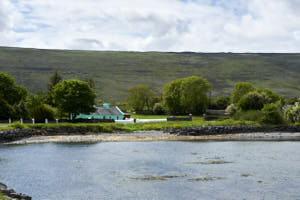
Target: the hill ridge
pixel 116 71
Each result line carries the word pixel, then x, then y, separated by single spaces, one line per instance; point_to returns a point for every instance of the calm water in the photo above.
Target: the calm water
pixel 124 170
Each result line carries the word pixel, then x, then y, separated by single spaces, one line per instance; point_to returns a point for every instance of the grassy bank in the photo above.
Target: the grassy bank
pixel 116 127
pixel 3 197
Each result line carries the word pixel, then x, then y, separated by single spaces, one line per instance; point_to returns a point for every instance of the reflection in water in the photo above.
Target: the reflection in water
pixel 153 170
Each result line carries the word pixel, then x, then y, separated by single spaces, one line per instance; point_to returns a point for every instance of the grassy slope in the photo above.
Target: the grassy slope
pixel 3 197
pixel 116 72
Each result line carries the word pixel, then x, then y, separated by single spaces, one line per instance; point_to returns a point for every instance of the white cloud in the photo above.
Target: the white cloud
pixel 156 25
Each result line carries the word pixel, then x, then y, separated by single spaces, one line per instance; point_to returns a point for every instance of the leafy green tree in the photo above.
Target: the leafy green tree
pixel 9 91
pixel 241 89
pixel 33 100
pixel 253 101
pixel 6 110
pixel 21 111
pixel 74 97
pixel 54 80
pixel 186 95
pixel 172 97
pixel 273 96
pixel 42 112
pixel 194 94
pixel 158 109
pixel 140 97
pixel 91 83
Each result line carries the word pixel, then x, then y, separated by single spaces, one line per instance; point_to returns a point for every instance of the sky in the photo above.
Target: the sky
pixel 152 25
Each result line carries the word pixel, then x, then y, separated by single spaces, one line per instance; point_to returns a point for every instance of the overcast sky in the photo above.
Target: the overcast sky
pixel 152 25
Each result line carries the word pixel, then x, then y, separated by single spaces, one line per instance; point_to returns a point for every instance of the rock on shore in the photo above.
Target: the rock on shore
pixel 221 130
pixel 11 194
pixel 19 134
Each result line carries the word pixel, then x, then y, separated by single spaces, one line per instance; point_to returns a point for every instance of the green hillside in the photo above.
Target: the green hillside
pixel 115 72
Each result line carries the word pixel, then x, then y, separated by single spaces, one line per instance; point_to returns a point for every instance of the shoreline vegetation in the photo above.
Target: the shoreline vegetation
pixel 10 194
pixel 167 131
pixel 196 130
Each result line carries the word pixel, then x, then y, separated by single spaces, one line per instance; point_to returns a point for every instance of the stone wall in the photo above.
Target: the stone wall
pixel 18 134
pixel 216 130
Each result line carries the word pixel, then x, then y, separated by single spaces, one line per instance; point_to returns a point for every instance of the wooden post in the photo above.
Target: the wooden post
pixel 191 117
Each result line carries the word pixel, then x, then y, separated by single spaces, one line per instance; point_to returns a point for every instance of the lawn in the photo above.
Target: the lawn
pixel 117 128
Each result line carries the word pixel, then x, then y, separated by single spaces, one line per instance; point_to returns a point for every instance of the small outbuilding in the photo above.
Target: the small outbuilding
pixel 104 112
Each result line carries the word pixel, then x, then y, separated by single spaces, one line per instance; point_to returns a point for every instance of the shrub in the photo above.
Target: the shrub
pixel 231 109
pixel 272 114
pixel 292 100
pixel 220 103
pixel 253 101
pixel 17 125
pixel 292 114
pixel 6 110
pixel 41 112
pixel 158 109
pixel 250 115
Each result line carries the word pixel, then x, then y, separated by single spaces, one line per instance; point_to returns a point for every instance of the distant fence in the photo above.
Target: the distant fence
pixel 214 114
pixel 87 121
pixel 172 118
pixel 26 121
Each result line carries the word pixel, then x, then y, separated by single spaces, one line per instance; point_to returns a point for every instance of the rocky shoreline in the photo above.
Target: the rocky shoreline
pixel 192 133
pixel 11 194
pixel 220 130
pixel 18 134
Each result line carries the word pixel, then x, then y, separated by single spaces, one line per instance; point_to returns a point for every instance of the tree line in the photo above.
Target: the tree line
pixel 63 98
pixel 192 95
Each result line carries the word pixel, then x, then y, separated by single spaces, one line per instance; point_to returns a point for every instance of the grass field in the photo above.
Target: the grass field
pixel 115 72
pixel 115 127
